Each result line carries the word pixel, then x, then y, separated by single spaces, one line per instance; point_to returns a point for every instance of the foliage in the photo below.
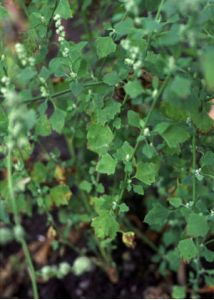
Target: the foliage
pixel 131 100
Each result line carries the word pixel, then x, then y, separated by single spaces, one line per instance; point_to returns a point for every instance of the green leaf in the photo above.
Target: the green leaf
pixel 39 172
pixel 133 88
pixel 64 9
pixel 197 225
pixel 105 46
pixel 207 62
pixel 187 249
pixel 178 292
pixel 58 120
pixel 106 164
pixel 99 138
pixel 60 195
pixel 111 78
pixel 147 172
pixel 125 152
pixel 109 112
pixel 123 208
pixel 175 201
pixel 173 135
pixel 85 186
pixel 124 27
pixel 157 215
pixel 105 225
pixel 25 75
pixel 181 86
pixel 3 12
pixel 138 189
pixel 133 119
pixel 207 164
pixel 43 126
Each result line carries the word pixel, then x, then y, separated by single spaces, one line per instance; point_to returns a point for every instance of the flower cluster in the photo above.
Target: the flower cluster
pixel 198 174
pixel 22 56
pixel 5 85
pixel 135 58
pixel 43 88
pixel 60 30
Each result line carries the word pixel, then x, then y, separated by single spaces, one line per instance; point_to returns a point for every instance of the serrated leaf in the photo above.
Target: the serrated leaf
pixel 111 78
pixel 39 172
pixel 157 215
pixel 133 88
pixel 207 164
pixel 175 201
pixel 43 126
pixel 99 137
pixel 174 135
pixel 105 46
pixel 181 86
pixel 106 165
pixel 187 249
pixel 109 112
pixel 197 225
pixel 86 186
pixel 105 225
pixel 147 172
pixel 178 292
pixel 64 9
pixel 133 118
pixel 125 152
pixel 60 195
pixel 58 120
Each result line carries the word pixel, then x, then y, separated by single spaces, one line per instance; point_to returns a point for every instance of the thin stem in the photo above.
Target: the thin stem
pixel 193 168
pixel 17 219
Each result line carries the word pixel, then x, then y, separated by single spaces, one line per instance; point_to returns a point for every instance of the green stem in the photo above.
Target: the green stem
pixel 17 220
pixel 193 168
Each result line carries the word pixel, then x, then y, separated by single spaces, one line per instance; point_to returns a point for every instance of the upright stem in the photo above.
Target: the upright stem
pixel 17 220
pixel 193 168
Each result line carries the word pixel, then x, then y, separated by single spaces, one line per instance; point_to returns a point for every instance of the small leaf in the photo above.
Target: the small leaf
pixel 125 152
pixel 133 88
pixel 99 137
pixel 178 292
pixel 43 126
pixel 111 79
pixel 197 225
pixel 181 86
pixel 175 201
pixel 60 195
pixel 157 215
pixel 39 173
pixel 133 118
pixel 105 225
pixel 64 9
pixel 147 172
pixel 58 120
pixel 105 46
pixel 187 249
pixel 106 165
pixel 86 186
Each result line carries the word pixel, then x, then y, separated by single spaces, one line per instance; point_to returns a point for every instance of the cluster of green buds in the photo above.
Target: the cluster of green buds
pixel 134 58
pixel 81 265
pixel 22 55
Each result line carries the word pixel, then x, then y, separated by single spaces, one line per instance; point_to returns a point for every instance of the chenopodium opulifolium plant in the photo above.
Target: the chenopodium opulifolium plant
pixel 131 99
